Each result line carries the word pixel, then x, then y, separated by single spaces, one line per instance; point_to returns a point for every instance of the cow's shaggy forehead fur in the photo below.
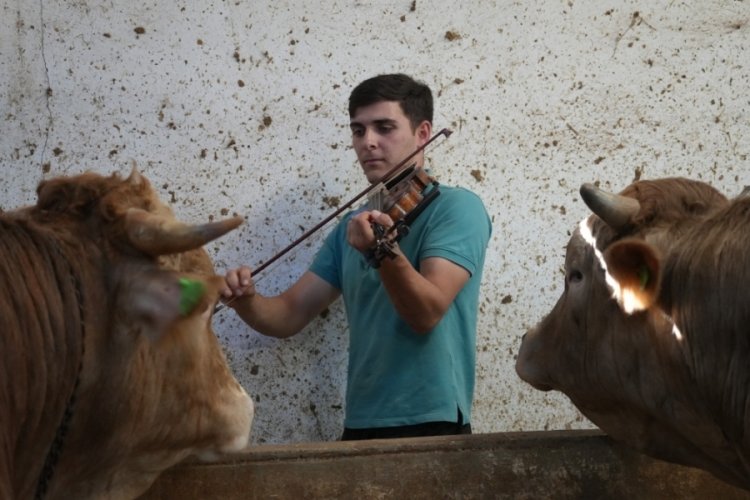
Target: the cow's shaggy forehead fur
pixel 80 194
pixel 667 205
pixel 97 203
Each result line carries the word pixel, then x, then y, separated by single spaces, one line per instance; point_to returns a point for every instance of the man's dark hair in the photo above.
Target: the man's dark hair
pixel 414 97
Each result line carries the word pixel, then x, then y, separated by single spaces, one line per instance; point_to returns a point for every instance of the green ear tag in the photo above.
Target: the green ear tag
pixel 191 292
pixel 644 275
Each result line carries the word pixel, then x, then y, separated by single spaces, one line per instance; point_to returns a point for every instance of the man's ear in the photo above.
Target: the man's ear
pixel 424 131
pixel 636 266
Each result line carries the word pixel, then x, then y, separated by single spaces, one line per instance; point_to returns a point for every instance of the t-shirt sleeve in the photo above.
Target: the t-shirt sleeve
pixel 461 231
pixel 326 262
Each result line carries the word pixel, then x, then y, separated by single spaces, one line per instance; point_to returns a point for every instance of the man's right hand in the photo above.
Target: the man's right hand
pixel 238 283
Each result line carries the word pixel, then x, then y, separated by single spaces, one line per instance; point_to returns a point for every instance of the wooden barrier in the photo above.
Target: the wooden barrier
pixel 524 465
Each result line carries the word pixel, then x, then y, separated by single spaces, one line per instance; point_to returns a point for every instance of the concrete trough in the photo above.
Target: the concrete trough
pixel 583 464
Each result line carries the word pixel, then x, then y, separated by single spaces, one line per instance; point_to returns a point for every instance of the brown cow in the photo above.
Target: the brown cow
pixel 651 336
pixel 109 369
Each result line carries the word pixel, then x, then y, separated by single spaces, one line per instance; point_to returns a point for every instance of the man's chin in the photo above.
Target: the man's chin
pixel 374 175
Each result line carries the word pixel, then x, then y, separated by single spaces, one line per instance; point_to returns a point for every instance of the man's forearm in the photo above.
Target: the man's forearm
pixel 414 297
pixel 266 315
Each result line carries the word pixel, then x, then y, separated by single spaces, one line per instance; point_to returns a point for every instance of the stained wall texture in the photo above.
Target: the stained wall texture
pixel 240 107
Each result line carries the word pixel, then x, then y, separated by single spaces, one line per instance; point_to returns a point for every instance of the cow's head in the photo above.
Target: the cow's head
pixel 154 384
pixel 612 272
pixel 610 343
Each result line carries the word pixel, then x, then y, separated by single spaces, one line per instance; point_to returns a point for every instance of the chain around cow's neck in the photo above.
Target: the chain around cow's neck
pixel 53 454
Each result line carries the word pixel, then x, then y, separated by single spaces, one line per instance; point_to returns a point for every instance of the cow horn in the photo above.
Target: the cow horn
pixel 614 209
pixel 135 177
pixel 157 235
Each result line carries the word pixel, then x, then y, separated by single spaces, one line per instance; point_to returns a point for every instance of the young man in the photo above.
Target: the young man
pixel 412 312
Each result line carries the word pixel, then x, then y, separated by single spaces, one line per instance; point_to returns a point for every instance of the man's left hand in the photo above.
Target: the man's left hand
pixel 359 232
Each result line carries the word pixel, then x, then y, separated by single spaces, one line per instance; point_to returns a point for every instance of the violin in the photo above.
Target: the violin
pixel 405 197
pixel 403 193
pixel 402 198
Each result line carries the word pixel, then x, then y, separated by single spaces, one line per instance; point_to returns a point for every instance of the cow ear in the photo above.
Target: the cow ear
pixel 157 300
pixel 635 265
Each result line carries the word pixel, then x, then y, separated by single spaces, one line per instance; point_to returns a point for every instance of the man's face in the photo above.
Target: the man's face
pixel 382 137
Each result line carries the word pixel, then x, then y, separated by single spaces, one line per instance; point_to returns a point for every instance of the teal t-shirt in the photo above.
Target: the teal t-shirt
pixel 395 375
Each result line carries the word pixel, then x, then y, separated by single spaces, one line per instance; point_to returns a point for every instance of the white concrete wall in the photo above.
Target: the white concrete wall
pixel 240 107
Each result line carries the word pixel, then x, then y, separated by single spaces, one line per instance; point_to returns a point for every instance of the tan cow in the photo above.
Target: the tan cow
pixel 109 369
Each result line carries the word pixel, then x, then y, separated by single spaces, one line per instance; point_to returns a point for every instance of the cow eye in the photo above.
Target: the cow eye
pixel 575 276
